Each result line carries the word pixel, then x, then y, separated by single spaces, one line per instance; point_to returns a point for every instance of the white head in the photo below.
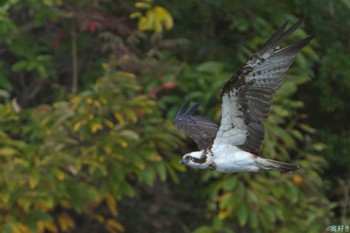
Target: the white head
pixel 197 159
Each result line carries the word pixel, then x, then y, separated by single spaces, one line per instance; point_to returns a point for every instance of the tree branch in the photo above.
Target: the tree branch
pixel 74 60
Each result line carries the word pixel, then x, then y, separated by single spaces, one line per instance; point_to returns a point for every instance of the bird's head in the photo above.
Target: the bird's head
pixel 197 159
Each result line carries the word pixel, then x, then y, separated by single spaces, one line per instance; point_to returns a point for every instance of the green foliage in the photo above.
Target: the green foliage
pixel 330 106
pixel 90 143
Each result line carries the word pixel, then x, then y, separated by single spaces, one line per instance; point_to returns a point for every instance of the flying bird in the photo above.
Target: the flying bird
pixel 246 98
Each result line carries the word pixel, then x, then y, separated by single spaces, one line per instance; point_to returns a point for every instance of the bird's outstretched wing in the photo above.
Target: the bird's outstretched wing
pixel 201 129
pixel 247 95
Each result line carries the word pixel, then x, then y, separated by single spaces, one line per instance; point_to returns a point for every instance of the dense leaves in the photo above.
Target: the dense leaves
pixel 88 93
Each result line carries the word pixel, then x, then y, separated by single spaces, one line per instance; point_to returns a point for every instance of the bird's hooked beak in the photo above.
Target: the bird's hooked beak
pixel 183 161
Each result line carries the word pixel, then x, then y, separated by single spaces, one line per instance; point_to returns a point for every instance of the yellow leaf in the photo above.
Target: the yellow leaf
pixel 111 204
pixel 135 15
pixel 223 213
pixel 34 179
pixel 109 123
pixel 223 196
pixel 96 103
pixel 40 226
pixel 164 17
pixel 43 227
pixel 157 26
pixel 107 149
pixel 4 198
pixel 161 12
pixel 297 179
pixel 66 222
pixel 89 100
pixel 168 22
pixel 65 204
pixel 7 151
pixel 59 174
pixel 50 227
pixel 75 99
pixel 115 225
pixel 45 204
pixel 103 100
pixel 15 229
pixel 49 132
pixel 142 25
pixel 105 66
pixel 150 19
pixel 143 5
pixel 76 126
pixel 24 203
pixel 119 118
pixel 156 157
pixel 126 74
pixel 131 114
pixel 122 142
pixel 18 161
pixel 100 218
pixel 20 228
pixel 95 127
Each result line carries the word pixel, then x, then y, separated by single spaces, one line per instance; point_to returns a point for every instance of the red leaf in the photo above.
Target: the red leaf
pixel 139 112
pixel 154 91
pixel 93 22
pixel 92 26
pixel 56 41
pixel 169 85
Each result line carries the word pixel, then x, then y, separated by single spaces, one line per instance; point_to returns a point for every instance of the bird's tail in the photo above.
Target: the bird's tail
pixel 268 164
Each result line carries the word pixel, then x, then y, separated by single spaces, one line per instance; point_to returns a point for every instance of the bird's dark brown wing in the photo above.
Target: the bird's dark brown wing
pixel 201 129
pixel 247 95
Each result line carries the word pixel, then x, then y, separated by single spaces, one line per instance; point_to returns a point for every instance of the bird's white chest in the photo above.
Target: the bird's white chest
pixel 231 159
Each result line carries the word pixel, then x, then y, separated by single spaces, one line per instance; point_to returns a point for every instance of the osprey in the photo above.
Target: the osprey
pixel 246 97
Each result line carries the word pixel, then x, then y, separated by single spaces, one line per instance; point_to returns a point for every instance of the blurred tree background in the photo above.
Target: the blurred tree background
pixel 89 90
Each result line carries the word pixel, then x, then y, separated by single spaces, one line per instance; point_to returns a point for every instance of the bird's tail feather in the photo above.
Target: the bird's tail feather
pixel 268 164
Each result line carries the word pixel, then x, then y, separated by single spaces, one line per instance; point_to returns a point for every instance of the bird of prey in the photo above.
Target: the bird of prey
pixel 246 98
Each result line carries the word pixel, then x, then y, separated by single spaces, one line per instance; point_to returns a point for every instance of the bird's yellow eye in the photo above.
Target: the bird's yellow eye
pixel 190 157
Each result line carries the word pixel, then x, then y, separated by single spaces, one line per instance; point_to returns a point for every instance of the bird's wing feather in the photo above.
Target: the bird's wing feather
pixel 201 129
pixel 247 96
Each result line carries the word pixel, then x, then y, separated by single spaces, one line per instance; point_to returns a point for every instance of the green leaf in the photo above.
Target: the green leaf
pixel 269 213
pixel 129 134
pixel 148 176
pixel 253 220
pixel 34 216
pixel 161 170
pixel 230 183
pixel 210 67
pixel 128 189
pixel 19 66
pixel 34 179
pixel 252 197
pixel 242 213
pixel 172 173
pixel 204 229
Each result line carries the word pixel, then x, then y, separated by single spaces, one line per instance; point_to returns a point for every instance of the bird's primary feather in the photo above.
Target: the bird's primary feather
pixel 201 129
pixel 248 94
